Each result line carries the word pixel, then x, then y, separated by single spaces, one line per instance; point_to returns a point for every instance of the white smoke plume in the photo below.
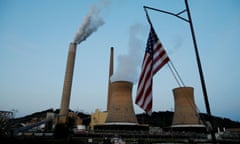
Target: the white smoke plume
pixel 90 24
pixel 129 64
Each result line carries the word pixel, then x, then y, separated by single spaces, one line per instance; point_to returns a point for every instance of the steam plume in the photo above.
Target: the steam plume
pixel 89 25
pixel 129 64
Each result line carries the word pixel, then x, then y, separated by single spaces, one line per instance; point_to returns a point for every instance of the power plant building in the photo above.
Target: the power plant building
pixel 98 118
pixel 120 111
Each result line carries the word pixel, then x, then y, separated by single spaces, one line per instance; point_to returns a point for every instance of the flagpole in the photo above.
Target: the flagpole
pixel 148 18
pixel 204 90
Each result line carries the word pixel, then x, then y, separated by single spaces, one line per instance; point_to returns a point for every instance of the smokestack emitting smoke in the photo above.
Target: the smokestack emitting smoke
pixel 67 86
pixel 129 64
pixel 89 25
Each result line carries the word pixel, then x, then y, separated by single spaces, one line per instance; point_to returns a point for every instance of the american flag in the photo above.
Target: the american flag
pixel 154 59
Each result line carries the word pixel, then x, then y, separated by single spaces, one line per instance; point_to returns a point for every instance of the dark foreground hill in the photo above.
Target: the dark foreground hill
pixel 164 119
pixel 157 119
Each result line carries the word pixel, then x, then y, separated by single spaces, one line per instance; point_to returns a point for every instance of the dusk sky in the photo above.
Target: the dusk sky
pixel 35 37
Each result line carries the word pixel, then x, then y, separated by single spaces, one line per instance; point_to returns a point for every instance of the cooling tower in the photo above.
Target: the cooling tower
pixel 67 83
pixel 185 114
pixel 121 106
pixel 185 108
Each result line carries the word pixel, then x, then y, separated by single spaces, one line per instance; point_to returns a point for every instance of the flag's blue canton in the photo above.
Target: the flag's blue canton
pixel 152 39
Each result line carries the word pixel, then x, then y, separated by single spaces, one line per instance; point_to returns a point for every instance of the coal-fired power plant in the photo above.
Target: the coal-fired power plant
pixel 120 108
pixel 185 115
pixel 66 93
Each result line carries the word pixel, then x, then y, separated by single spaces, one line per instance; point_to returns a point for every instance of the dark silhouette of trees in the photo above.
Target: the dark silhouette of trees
pixel 5 123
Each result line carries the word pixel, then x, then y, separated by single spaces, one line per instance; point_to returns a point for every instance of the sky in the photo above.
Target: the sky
pixel 35 37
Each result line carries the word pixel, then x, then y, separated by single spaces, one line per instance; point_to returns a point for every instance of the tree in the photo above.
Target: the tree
pixel 6 118
pixel 63 130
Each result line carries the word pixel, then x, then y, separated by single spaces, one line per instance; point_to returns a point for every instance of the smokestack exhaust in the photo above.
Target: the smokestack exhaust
pixel 67 83
pixel 90 24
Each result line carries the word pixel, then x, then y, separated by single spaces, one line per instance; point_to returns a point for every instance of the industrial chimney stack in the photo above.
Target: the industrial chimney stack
pixel 67 83
pixel 111 67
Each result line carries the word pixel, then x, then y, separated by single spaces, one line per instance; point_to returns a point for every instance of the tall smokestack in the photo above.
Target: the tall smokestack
pixel 90 24
pixel 67 83
pixel 111 67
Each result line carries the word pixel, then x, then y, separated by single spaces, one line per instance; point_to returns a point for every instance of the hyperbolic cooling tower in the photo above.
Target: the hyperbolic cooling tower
pixel 67 83
pixel 185 108
pixel 121 106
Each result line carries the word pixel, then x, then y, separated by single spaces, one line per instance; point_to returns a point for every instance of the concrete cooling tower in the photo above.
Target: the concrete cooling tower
pixel 185 115
pixel 121 115
pixel 121 106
